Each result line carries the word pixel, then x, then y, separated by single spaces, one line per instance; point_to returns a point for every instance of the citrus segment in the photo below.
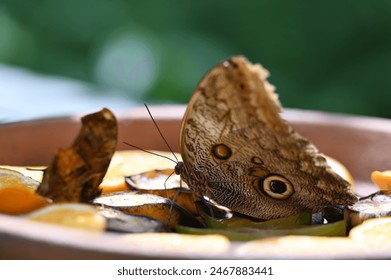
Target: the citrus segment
pixel 75 215
pixel 17 193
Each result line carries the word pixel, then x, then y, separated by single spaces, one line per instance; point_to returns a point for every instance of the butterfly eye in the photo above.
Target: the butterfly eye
pixel 276 187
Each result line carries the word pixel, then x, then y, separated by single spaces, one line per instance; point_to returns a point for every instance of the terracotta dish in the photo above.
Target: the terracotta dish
pixel 362 144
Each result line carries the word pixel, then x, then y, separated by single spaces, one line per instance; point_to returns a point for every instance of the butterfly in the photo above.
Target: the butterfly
pixel 239 152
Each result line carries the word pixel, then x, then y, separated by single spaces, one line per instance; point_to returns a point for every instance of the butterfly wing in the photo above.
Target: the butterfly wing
pixel 238 151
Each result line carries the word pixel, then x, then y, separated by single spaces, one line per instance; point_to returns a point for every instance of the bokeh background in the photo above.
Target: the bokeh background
pixel 61 56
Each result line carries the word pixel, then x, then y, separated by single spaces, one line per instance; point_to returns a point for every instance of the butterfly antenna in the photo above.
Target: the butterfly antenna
pixel 161 134
pixel 149 152
pixel 156 154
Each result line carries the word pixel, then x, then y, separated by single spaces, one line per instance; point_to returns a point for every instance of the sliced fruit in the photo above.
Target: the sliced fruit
pixel 127 163
pixel 34 172
pixel 157 179
pixel 149 205
pixel 17 193
pixel 373 232
pixel 164 183
pixel 375 205
pixel 76 215
pixel 382 179
pixel 121 222
pixel 10 177
pixel 181 197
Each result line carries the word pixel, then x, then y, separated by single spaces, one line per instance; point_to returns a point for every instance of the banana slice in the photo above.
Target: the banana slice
pixel 376 205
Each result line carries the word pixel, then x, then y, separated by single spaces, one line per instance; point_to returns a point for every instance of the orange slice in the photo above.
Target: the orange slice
pixel 382 179
pixel 17 193
pixel 34 172
pixel 76 215
pixel 374 232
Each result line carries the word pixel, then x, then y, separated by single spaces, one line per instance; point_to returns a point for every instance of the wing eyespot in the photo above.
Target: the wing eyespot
pixel 276 187
pixel 221 151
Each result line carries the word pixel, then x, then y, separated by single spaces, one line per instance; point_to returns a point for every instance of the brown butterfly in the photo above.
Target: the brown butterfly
pixel 237 150
pixel 75 173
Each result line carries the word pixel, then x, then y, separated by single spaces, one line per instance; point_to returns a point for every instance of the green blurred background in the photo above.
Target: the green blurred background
pixel 322 55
